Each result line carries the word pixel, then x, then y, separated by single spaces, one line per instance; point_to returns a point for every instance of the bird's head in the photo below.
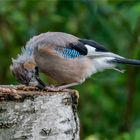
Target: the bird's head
pixel 26 73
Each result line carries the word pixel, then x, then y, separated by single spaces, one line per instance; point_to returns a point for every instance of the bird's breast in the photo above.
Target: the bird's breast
pixel 64 70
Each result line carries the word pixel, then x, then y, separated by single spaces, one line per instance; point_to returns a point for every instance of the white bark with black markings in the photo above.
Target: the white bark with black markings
pixel 34 115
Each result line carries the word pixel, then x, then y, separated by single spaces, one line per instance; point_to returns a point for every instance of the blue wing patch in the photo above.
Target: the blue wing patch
pixel 68 53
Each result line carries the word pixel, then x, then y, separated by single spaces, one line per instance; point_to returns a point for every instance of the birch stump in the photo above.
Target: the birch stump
pixel 38 115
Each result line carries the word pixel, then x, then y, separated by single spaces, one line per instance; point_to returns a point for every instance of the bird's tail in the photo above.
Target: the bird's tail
pixel 125 61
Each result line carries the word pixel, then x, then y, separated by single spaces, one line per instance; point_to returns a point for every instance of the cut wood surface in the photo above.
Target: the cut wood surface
pixel 38 115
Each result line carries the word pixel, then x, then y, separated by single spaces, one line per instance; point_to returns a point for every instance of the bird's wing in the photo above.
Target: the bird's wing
pixel 72 50
pixel 95 49
pixel 70 47
pixel 62 44
pixel 98 47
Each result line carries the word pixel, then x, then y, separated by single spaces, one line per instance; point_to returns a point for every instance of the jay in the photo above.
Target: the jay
pixel 65 58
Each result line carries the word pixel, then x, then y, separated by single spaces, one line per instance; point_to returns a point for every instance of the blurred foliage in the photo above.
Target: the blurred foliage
pixel 109 106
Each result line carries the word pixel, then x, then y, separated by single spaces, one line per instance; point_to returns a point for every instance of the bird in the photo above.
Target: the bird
pixel 68 59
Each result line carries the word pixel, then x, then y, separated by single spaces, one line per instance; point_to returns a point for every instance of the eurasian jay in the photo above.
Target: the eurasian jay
pixel 65 58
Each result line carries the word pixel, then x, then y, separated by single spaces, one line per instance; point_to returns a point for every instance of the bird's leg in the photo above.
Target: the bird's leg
pixel 62 87
pixel 118 70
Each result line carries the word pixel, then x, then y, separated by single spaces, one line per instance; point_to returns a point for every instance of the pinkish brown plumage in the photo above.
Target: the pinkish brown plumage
pixel 65 58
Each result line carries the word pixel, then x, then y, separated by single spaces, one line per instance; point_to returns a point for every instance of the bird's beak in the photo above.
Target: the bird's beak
pixel 41 85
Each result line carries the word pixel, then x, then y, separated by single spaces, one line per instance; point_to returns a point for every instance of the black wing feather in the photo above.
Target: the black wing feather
pixel 72 50
pixel 80 47
pixel 99 47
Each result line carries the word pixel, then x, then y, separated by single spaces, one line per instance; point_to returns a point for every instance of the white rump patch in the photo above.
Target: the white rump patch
pixel 99 64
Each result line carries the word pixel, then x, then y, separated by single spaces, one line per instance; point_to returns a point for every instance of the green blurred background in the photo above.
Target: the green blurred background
pixel 109 106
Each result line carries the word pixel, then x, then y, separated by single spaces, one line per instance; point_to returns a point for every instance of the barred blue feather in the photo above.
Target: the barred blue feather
pixel 68 53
